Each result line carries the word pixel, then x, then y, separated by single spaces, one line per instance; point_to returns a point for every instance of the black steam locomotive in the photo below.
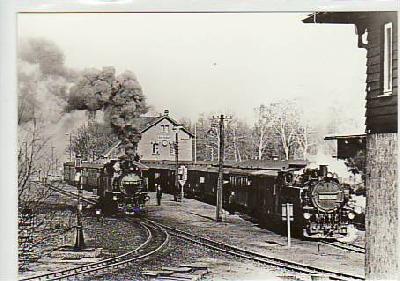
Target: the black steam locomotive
pixel 322 201
pixel 120 184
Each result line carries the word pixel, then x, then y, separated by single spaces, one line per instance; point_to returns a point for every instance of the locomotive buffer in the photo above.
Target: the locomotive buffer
pixel 287 215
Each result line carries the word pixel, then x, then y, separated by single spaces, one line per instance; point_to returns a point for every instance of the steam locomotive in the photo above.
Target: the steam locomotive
pixel 120 185
pixel 322 201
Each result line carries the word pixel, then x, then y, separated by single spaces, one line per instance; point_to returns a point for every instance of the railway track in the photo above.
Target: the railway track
pixel 156 241
pixel 68 193
pixel 345 246
pixel 254 256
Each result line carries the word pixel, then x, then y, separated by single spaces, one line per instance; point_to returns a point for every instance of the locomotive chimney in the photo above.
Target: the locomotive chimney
pixel 323 170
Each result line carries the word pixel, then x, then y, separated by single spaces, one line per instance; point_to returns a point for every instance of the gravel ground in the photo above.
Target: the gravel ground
pixel 197 217
pixel 221 266
pixel 114 235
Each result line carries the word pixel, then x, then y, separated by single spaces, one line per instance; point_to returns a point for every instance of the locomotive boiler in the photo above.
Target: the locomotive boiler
pixel 128 193
pixel 323 203
pixel 120 184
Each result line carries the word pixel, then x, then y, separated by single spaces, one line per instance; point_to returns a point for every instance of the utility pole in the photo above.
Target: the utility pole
pixel 195 142
pixel 79 240
pixel 176 146
pixel 218 216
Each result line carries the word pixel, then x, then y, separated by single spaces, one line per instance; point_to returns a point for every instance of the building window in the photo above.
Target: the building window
pixel 387 59
pixel 165 128
pixel 155 148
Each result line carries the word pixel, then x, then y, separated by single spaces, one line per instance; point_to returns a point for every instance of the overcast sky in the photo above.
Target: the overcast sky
pixel 228 63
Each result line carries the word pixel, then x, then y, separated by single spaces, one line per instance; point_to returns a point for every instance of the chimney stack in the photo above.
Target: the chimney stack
pixel 166 112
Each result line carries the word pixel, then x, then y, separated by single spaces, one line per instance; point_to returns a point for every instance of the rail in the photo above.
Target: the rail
pixel 257 257
pixel 345 246
pixel 68 193
pixel 113 262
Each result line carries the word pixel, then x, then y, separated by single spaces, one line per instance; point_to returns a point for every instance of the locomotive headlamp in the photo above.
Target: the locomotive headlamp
pixel 307 216
pixel 351 215
pixel 358 210
pixel 115 198
pixel 98 212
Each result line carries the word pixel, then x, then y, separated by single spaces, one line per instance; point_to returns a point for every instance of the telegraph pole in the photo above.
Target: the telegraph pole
pixel 195 142
pixel 218 216
pixel 79 240
pixel 176 165
pixel 176 146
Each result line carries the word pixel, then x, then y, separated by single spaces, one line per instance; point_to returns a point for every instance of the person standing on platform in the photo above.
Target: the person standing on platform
pixel 159 194
pixel 232 203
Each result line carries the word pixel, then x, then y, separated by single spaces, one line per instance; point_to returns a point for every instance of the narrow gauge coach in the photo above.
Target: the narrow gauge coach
pixel 120 184
pixel 320 202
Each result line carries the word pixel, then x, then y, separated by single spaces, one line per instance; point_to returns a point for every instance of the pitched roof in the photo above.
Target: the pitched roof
pixel 145 123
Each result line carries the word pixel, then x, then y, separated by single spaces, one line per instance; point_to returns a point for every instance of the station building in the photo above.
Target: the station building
pixel 158 140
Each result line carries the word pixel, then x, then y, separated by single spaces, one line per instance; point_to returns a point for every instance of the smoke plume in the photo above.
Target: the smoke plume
pixel 120 97
pixel 43 81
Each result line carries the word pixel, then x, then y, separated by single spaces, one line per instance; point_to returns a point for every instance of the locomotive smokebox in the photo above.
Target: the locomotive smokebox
pixel 323 170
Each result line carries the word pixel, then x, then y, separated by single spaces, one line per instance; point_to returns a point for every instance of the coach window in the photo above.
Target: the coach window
pixel 155 148
pixel 387 59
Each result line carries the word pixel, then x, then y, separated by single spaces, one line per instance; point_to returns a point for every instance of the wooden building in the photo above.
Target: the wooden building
pixel 349 146
pixel 377 33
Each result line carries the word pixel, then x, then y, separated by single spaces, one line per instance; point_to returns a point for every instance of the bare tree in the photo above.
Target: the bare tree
pixel 281 129
pixel 91 140
pixel 207 140
pixel 35 161
pixel 262 131
pixel 238 140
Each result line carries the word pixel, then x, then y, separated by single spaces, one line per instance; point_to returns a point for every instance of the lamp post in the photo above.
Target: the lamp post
pixel 176 146
pixel 70 146
pixel 79 239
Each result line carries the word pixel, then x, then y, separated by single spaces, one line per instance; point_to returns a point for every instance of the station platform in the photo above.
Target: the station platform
pixel 239 230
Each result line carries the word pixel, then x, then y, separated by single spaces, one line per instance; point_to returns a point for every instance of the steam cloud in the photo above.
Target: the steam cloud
pixel 48 90
pixel 120 97
pixel 43 81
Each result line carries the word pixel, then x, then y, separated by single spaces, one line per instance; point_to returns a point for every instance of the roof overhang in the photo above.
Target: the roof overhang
pixel 346 137
pixel 346 17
